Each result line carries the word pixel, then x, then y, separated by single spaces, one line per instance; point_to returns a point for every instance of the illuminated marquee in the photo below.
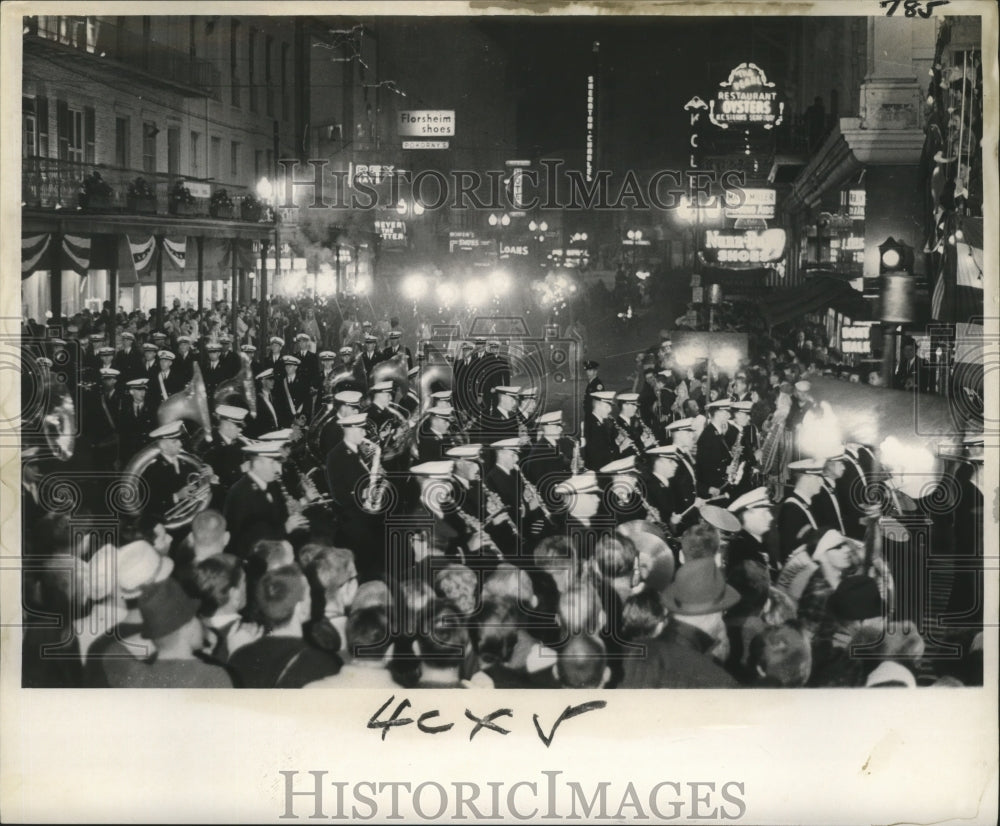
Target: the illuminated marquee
pixel 750 203
pixel 739 249
pixel 590 127
pixel 393 232
pixel 856 338
pixel 746 99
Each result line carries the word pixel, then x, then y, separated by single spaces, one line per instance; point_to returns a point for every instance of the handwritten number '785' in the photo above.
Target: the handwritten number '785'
pixel 912 8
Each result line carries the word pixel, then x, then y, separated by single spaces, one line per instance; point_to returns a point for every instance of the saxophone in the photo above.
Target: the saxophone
pixel 735 469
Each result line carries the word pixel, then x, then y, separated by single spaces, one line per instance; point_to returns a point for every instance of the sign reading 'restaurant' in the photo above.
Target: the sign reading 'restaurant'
pixel 427 123
pixel 746 99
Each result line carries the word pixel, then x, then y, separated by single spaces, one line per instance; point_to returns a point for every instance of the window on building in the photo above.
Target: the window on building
pixel 234 160
pixel 195 159
pixel 149 133
pixel 173 150
pixel 252 59
pixel 268 76
pixel 286 97
pixel 215 159
pixel 75 128
pixel 234 74
pixel 122 137
pixel 34 117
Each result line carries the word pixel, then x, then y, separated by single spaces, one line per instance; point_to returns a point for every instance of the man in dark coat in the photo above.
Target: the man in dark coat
pixel 225 452
pixel 684 483
pixel 434 437
pixel 594 384
pixel 748 546
pixel 795 516
pixel 135 420
pixel 550 460
pixel 268 418
pixel 500 420
pixel 681 656
pixel 166 380
pixel 165 476
pixel 370 356
pixel 272 358
pixel 713 456
pixel 213 372
pixel 255 507
pixel 128 360
pixel 186 358
pixel 308 360
pixel 600 445
pixel 394 349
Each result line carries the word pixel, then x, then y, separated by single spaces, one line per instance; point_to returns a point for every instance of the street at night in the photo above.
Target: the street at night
pixel 513 351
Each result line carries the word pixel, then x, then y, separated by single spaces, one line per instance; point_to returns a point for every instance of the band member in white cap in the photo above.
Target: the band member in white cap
pixel 165 477
pixel 826 506
pixel 135 420
pixel 748 437
pixel 450 535
pixel 550 460
pixel 627 425
pixel 795 516
pixel 749 546
pixel 225 453
pixel 663 466
pixel 582 495
pixel 308 361
pixel 394 349
pixel 713 456
pixel 128 360
pixel 600 442
pixel 254 506
pixel 101 419
pixel 434 437
pixel 267 410
pixel 167 381
pixel 684 486
pixel 272 358
pixel 253 363
pixel 350 470
pixel 213 372
pixel 378 410
pixel 186 358
pixel 294 394
pixel 150 367
pixel 500 422
pixel 505 480
pixel 327 370
pixel 370 356
pixel 347 403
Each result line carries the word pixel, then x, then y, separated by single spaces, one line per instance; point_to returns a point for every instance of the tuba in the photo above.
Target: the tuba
pixel 392 369
pixel 191 404
pixel 197 494
pixel 59 425
pixel 240 388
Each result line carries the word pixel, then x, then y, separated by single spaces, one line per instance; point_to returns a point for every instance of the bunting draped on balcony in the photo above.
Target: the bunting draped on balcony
pixel 143 252
pixel 37 253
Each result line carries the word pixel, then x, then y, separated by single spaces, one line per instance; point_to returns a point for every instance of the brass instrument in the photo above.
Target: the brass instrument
pixel 240 388
pixel 374 493
pixel 191 404
pixel 59 425
pixel 191 499
pixel 622 440
pixel 735 470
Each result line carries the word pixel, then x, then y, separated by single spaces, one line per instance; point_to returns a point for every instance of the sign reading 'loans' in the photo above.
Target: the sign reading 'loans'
pixel 427 123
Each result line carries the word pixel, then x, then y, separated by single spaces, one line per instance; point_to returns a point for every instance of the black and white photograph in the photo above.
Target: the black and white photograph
pixel 541 352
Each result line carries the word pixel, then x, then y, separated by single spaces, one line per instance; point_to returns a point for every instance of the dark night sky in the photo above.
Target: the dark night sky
pixel 652 68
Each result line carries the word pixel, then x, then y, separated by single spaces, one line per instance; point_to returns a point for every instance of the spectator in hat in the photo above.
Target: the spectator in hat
pixel 681 656
pixel 835 555
pixel 282 658
pixel 170 621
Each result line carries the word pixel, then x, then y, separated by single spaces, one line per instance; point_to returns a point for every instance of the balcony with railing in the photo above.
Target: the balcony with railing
pixel 100 39
pixel 69 186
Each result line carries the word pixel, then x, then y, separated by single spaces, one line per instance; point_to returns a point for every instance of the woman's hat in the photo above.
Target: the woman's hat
pixel 699 588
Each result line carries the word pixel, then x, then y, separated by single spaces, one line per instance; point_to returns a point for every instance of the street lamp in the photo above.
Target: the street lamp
pixel 266 192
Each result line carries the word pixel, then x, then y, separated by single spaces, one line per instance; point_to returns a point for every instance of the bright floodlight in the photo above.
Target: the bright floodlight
pixel 414 286
pixel 418 208
pixel 401 207
pixel 475 292
pixel 493 220
pixel 499 281
pixel 532 226
pixel 543 226
pixel 685 209
pixel 638 235
pixel 264 189
pixel 583 236
pixel 505 220
pixel 631 235
pixel 447 293
pixel 363 285
pixel 890 258
pixel 727 358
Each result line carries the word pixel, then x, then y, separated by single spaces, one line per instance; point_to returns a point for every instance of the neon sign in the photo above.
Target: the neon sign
pixel 746 99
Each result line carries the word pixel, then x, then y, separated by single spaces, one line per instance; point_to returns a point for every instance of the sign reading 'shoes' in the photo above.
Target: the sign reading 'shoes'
pixel 726 248
pixel 426 123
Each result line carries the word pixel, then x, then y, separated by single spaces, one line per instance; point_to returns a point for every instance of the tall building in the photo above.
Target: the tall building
pixel 117 114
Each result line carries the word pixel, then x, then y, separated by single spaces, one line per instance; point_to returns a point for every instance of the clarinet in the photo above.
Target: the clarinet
pixel 653 512
pixel 531 491
pixel 495 506
pixel 476 526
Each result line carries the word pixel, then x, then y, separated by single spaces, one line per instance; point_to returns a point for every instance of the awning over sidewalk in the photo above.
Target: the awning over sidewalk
pixel 818 292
